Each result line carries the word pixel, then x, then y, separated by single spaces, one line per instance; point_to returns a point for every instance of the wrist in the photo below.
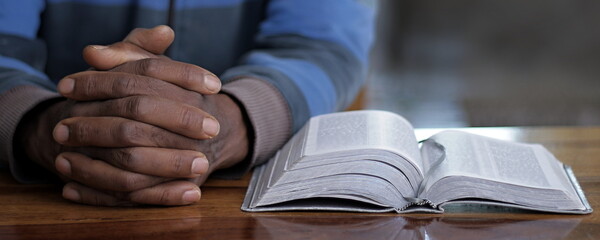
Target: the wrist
pixel 33 138
pixel 268 118
pixel 231 145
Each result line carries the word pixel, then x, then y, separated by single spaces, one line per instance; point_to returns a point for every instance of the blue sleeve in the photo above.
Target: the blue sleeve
pixel 22 56
pixel 20 18
pixel 314 51
pixel 22 82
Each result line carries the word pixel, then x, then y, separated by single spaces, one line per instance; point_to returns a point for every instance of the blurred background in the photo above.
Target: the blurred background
pixel 487 62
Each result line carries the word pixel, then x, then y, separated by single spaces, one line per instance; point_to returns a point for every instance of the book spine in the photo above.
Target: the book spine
pixel 418 202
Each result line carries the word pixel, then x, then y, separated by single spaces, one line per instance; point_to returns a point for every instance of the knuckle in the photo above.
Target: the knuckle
pixel 132 106
pixel 80 133
pixel 125 158
pixel 178 165
pixel 163 139
pixel 185 76
pixel 188 119
pixel 149 66
pixel 131 133
pixel 164 197
pixel 87 85
pixel 136 107
pixel 124 85
pixel 129 182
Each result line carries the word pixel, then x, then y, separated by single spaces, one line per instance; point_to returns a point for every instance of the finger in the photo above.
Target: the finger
pixel 93 85
pixel 139 44
pixel 107 57
pixel 169 193
pixel 185 75
pixel 101 175
pixel 173 116
pixel 117 132
pixel 140 76
pixel 155 40
pixel 161 162
pixel 86 195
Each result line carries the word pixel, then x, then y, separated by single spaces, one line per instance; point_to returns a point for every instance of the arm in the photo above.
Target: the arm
pixel 30 106
pixel 311 58
pixel 22 82
pixel 133 169
pixel 123 135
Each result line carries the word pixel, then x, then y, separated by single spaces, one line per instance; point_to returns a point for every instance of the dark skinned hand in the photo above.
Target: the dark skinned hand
pixel 142 132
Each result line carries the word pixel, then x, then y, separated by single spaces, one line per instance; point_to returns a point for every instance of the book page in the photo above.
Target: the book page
pixel 367 156
pixel 363 130
pixel 479 157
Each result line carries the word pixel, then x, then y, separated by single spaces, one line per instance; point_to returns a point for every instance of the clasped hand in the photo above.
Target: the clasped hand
pixel 145 130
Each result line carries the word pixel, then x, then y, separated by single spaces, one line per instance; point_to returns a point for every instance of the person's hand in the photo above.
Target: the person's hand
pixel 125 175
pixel 142 147
pixel 228 148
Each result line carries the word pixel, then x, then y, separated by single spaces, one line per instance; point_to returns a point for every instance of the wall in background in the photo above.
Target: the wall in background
pixel 488 62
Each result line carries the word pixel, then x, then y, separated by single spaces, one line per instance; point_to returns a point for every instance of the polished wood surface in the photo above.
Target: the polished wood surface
pixel 39 212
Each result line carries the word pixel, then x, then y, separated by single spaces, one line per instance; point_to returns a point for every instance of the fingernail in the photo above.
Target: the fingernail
pixel 66 86
pixel 199 166
pixel 61 133
pixel 99 47
pixel 210 126
pixel 212 83
pixel 191 196
pixel 63 165
pixel 71 194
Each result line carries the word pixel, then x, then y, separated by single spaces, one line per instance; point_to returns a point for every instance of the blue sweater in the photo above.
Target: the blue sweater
pixel 284 60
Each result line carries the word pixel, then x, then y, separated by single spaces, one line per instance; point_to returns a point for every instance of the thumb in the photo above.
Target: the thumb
pixel 155 40
pixel 139 44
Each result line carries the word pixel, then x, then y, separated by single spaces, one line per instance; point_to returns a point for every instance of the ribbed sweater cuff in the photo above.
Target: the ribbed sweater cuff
pixel 269 117
pixel 14 104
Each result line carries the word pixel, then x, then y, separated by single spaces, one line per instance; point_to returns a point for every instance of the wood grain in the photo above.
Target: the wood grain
pixel 39 212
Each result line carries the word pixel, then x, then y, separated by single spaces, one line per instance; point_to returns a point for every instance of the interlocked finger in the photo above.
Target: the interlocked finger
pixel 169 193
pixel 117 132
pixel 101 175
pixel 173 116
pixel 163 162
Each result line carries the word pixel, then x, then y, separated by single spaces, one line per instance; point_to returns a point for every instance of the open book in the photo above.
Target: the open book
pixel 370 161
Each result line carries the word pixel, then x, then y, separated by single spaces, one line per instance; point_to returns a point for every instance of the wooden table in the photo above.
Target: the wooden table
pixel 39 212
